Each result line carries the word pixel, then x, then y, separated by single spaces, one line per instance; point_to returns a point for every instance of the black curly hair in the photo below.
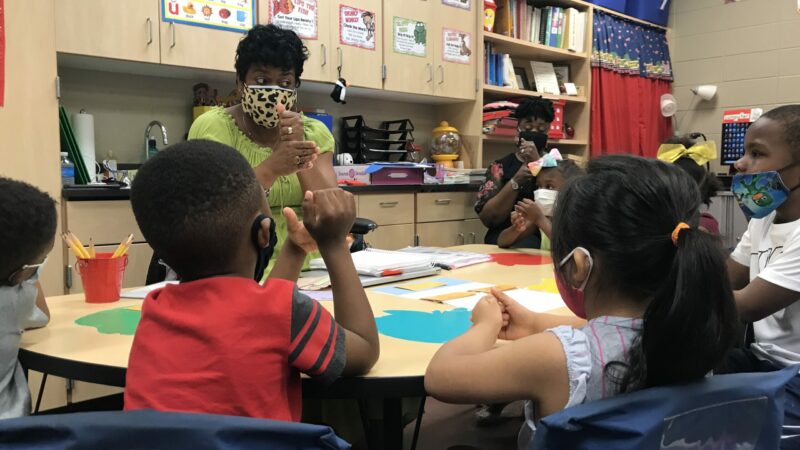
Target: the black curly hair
pixel 271 46
pixel 193 202
pixel 27 224
pixel 535 108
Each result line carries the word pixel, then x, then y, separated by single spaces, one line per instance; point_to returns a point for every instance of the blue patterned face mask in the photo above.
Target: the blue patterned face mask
pixel 760 193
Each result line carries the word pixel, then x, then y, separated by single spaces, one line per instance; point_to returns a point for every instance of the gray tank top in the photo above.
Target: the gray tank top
pixel 588 351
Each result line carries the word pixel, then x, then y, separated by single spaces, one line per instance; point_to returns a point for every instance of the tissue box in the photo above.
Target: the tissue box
pixel 355 172
pixel 399 175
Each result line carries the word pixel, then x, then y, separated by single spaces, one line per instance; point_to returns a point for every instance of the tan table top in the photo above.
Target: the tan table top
pixel 65 341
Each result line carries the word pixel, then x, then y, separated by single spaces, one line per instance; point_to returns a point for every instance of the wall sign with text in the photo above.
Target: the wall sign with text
pixel 457 46
pixel 357 27
pixel 463 4
pixel 410 37
pixel 299 16
pixel 229 15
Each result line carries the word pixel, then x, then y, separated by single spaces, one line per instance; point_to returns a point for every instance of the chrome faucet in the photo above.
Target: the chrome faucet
pixel 147 136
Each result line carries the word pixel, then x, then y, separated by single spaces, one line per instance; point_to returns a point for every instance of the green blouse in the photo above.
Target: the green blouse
pixel 218 125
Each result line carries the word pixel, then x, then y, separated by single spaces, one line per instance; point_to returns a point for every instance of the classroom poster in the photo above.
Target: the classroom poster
pixel 299 16
pixel 410 37
pixel 228 15
pixel 357 27
pixel 457 46
pixel 2 55
pixel 463 4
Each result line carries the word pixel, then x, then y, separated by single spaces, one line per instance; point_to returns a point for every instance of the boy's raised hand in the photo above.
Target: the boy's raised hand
pixel 298 233
pixel 328 215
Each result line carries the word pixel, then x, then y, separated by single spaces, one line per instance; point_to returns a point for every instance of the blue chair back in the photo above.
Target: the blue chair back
pixel 717 412
pixel 162 430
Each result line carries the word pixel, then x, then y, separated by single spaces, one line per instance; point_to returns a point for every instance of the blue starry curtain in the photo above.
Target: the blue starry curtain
pixel 630 48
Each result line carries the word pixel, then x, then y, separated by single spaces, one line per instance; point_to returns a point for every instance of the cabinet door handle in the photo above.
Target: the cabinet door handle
pixel 416 240
pixel 341 59
pixel 441 69
pixel 172 31
pixel 324 55
pixel 442 201
pixel 461 239
pixel 474 238
pixel 429 66
pixel 149 31
pixel 388 204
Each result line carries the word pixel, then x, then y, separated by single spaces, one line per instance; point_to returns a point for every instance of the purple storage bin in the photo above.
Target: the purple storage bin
pixel 616 5
pixel 655 11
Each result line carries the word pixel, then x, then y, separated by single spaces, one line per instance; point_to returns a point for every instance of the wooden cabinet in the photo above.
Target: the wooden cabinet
pixel 439 206
pixel 454 37
pixel 126 29
pixel 391 237
pixel 387 209
pixel 191 46
pixel 411 73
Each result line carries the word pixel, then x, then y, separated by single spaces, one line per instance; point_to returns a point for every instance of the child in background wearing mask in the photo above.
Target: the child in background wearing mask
pixel 692 156
pixel 765 266
pixel 633 263
pixel 27 232
pixel 551 172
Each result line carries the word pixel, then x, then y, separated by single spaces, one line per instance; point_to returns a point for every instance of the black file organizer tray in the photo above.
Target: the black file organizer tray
pixel 389 142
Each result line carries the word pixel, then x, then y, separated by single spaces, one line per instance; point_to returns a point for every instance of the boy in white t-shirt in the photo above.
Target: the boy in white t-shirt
pixel 765 267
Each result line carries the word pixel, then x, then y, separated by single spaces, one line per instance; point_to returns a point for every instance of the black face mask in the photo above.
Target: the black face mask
pixel 539 139
pixel 263 254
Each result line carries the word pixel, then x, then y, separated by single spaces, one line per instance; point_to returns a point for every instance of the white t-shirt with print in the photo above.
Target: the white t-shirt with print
pixel 772 252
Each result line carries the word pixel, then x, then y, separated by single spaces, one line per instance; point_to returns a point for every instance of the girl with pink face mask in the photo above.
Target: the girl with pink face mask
pixel 649 290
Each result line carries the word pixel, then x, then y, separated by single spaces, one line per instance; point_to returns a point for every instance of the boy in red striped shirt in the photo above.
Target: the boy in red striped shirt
pixel 219 342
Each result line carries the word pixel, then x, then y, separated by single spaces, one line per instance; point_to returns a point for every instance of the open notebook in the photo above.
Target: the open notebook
pixel 381 263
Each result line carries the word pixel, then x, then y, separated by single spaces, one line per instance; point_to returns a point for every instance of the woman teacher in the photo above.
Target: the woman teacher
pixel 508 180
pixel 290 153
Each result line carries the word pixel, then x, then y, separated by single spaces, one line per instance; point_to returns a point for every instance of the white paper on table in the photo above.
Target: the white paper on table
pixel 143 291
pixel 536 301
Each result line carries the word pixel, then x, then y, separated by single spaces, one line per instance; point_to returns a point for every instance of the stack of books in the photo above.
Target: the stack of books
pixel 553 26
pixel 497 120
pixel 384 263
pixel 449 259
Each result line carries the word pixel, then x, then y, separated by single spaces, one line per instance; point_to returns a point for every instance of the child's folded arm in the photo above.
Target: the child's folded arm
pixel 760 299
pixel 317 342
pixel 502 372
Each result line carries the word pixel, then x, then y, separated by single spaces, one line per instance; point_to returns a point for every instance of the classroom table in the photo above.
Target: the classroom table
pixel 66 349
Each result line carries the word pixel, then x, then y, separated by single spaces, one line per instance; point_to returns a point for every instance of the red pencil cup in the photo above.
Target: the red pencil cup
pixel 102 277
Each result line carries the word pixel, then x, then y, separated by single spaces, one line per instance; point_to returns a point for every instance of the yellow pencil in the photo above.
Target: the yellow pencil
pixel 72 246
pixel 92 251
pixel 122 247
pixel 78 244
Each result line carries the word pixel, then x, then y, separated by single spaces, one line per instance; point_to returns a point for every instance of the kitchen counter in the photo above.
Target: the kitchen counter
pixel 111 193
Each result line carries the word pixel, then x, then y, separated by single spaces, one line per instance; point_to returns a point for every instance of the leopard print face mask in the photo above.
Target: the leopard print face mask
pixel 261 103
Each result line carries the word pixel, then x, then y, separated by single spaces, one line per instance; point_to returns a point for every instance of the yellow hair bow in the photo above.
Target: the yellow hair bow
pixel 701 153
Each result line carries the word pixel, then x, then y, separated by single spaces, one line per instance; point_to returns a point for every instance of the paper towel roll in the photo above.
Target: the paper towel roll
pixel 83 126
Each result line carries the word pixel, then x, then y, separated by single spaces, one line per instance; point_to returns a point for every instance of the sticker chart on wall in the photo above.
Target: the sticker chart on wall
pixel 463 4
pixel 357 27
pixel 228 15
pixel 409 37
pixel 457 46
pixel 735 123
pixel 299 16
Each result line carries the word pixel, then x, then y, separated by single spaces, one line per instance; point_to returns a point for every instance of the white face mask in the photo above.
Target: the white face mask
pixel 546 199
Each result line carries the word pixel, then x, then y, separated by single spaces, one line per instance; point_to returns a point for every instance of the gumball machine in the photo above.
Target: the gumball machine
pixel 445 144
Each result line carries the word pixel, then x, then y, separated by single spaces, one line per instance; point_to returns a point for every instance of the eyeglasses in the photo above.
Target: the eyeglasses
pixel 24 273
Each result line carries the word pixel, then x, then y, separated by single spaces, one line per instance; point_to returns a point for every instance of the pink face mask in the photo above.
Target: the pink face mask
pixel 572 296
